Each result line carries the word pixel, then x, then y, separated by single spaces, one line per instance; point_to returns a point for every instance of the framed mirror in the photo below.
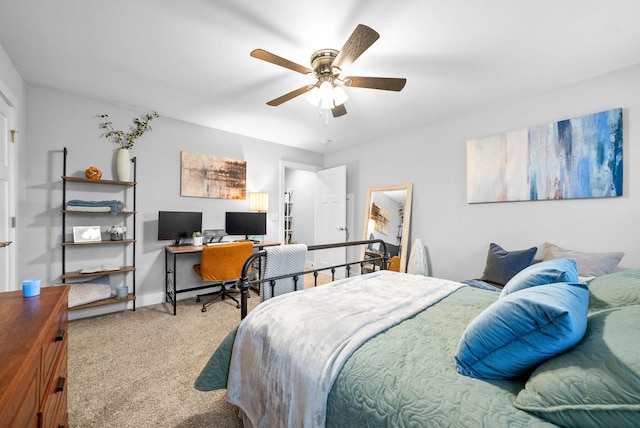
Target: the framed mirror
pixel 388 216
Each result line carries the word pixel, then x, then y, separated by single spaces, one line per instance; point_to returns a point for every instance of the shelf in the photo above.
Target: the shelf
pixel 78 275
pixel 123 241
pixel 124 247
pixel 95 212
pixel 86 180
pixel 104 302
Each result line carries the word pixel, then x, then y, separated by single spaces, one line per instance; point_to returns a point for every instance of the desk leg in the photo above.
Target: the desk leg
pixel 260 263
pixel 175 295
pixel 166 275
pixel 170 291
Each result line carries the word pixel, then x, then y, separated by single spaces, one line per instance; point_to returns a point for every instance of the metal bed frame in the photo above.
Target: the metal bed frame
pixel 246 283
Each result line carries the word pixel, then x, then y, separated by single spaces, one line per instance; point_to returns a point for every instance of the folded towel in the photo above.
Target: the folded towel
pixel 116 206
pixel 79 208
pixel 283 260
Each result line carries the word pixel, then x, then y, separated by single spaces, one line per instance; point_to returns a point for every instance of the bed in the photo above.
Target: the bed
pixel 409 368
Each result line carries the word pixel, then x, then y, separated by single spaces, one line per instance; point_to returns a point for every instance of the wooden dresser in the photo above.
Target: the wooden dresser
pixel 33 358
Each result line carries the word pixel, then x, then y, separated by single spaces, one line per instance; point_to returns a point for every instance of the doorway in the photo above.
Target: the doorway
pixel 296 218
pixel 300 213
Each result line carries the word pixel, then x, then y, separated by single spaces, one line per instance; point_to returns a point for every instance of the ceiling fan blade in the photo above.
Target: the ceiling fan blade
pixel 338 111
pixel 286 97
pixel 385 83
pixel 359 41
pixel 277 60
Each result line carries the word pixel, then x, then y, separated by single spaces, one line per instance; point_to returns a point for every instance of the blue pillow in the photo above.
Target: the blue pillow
pixel 548 272
pixel 502 265
pixel 521 330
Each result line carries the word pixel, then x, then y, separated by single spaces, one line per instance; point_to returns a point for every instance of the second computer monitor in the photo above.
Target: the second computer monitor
pixel 245 223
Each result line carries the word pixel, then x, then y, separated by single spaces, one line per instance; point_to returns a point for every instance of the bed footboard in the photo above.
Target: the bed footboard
pixel 351 268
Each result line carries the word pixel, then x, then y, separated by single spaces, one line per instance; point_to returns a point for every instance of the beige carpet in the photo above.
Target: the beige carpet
pixel 137 369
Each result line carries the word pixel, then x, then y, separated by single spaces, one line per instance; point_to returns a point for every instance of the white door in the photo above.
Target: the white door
pixel 7 199
pixel 331 221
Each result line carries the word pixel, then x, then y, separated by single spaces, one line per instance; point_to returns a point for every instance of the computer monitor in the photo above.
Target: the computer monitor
pixel 393 250
pixel 245 223
pixel 177 225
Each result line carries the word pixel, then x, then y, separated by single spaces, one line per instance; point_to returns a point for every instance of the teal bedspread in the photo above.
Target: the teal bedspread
pixel 407 375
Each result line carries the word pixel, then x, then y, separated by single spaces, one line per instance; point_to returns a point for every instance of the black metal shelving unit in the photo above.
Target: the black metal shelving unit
pixel 130 269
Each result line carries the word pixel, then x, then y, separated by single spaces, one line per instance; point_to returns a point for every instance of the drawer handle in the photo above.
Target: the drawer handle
pixel 60 386
pixel 60 335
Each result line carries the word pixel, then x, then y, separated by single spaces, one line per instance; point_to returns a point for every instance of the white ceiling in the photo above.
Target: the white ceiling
pixel 190 60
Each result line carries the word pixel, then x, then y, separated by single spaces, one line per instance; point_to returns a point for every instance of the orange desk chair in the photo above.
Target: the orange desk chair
pixel 394 264
pixel 222 265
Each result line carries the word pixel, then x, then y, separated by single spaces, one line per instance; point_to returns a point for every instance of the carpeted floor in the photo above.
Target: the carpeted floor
pixel 137 369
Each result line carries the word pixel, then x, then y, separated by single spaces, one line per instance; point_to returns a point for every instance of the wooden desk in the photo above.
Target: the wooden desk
pixel 172 291
pixel 375 259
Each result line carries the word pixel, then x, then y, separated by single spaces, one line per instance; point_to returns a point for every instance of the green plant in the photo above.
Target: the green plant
pixel 126 140
pixel 197 234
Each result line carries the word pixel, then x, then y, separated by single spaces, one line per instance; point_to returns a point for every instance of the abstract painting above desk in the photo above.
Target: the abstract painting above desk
pixel 568 159
pixel 206 176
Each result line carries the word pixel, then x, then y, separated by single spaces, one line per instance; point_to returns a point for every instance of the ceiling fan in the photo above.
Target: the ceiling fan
pixel 326 67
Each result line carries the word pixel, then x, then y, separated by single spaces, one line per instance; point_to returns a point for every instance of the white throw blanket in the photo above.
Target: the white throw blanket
pixel 290 349
pixel 283 260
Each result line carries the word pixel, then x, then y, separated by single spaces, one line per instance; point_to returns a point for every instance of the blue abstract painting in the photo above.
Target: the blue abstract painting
pixel 573 158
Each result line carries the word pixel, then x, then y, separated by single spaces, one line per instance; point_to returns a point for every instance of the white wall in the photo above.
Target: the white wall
pixel 57 119
pixel 458 234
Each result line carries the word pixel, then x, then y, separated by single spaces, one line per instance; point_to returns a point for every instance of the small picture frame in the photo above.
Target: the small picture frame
pixel 86 234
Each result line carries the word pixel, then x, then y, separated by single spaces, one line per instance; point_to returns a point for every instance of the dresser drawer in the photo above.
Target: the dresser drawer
pixel 54 404
pixel 55 344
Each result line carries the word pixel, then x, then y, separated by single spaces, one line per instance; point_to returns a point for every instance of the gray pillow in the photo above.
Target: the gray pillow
pixel 589 264
pixel 502 265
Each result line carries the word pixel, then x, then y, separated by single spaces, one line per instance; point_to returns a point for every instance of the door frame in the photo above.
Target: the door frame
pixel 12 162
pixel 284 165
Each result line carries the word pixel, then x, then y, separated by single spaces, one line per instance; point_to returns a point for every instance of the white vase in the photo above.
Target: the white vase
pixel 123 165
pixel 418 259
pixel 197 241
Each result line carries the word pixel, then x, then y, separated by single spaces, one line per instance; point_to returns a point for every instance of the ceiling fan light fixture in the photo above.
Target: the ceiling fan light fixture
pixel 326 95
pixel 326 104
pixel 313 96
pixel 339 96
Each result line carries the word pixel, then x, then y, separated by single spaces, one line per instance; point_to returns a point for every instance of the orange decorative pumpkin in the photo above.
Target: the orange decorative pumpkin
pixel 93 173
